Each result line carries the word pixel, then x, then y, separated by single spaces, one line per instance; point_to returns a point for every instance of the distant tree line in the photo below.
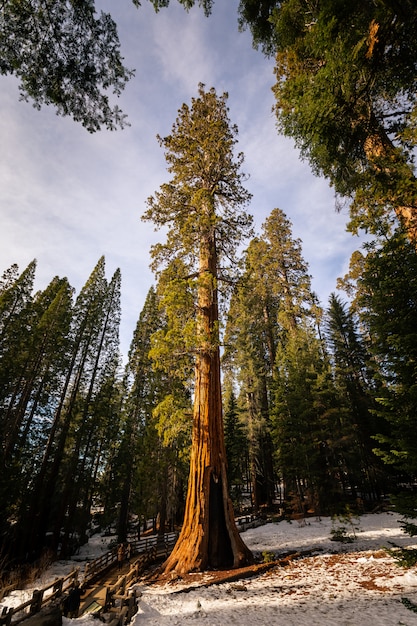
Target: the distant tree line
pixel 319 406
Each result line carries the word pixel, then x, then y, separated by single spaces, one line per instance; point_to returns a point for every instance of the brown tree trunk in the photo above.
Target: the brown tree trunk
pixel 382 155
pixel 209 537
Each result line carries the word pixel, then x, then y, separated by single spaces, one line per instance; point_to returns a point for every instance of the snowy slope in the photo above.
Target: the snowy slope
pixel 355 584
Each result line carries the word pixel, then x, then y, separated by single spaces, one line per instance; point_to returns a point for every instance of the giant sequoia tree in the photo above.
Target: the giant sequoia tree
pixel 201 209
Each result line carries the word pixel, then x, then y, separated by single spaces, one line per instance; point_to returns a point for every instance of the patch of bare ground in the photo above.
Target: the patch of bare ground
pixel 370 570
pixel 217 577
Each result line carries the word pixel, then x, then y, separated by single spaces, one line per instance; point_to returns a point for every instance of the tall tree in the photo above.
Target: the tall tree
pixel 308 424
pixel 271 299
pixel 101 368
pixel 147 455
pixel 44 342
pixel 15 319
pixel 44 504
pixel 236 446
pixel 355 382
pixel 386 300
pixel 200 206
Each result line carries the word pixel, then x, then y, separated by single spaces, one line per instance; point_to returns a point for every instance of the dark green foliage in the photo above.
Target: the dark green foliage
pixel 346 93
pixel 405 557
pixel 149 466
pixel 387 297
pixel 187 4
pixel 271 298
pixel 64 55
pixel 344 526
pixel 309 432
pixel 236 444
pixel 356 387
pixel 58 405
pixel 258 14
pixel 405 502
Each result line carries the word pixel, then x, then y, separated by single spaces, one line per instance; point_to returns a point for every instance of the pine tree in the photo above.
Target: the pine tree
pixel 102 374
pixel 307 424
pixel 39 367
pixel 200 206
pixel 15 310
pixel 271 299
pixel 356 385
pixel 45 503
pixel 386 299
pixel 146 453
pixel 236 445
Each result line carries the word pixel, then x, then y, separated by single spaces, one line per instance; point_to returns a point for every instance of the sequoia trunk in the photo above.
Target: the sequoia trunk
pixel 209 537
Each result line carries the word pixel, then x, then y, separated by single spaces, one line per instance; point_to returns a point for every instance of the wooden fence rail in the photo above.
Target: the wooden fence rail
pixel 39 599
pixel 148 549
pixel 98 566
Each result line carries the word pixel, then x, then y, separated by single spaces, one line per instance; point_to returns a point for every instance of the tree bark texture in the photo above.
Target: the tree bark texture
pixel 209 538
pixel 381 154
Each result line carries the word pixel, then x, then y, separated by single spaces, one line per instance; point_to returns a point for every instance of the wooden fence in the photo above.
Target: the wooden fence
pixel 149 550
pixel 40 598
pixel 96 568
pixel 248 521
pixel 119 600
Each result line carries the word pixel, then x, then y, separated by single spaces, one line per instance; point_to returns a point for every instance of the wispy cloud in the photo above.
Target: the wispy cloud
pixel 67 197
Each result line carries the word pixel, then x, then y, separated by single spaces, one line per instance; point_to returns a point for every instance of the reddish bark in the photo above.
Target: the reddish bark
pixel 209 538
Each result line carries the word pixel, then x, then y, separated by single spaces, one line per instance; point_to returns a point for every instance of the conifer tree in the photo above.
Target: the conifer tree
pixel 146 455
pixel 102 369
pixel 309 426
pixel 200 206
pixel 385 299
pixel 236 444
pixel 45 503
pixel 15 311
pixel 356 385
pixel 271 299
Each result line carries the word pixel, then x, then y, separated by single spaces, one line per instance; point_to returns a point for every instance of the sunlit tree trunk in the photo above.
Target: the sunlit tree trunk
pixel 209 536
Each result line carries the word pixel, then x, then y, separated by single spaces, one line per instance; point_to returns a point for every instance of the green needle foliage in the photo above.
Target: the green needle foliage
pixel 65 55
pixel 346 93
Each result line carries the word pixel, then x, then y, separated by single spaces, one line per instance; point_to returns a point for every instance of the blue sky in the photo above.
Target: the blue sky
pixel 67 197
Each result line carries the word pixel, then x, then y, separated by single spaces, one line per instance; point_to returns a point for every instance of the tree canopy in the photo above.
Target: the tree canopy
pixel 346 93
pixel 66 55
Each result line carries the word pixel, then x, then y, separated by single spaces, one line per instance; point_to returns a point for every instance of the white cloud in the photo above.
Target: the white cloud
pixel 67 197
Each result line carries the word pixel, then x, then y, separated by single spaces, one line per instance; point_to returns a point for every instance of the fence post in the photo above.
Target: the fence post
pixel 6 616
pixel 86 572
pixel 36 604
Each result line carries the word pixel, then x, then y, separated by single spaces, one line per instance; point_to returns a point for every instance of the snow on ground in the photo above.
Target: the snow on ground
pixel 354 584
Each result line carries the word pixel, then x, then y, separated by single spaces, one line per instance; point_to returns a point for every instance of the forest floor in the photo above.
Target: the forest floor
pixel 309 580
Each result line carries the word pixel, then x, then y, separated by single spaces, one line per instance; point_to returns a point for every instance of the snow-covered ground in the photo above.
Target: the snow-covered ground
pixel 355 584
